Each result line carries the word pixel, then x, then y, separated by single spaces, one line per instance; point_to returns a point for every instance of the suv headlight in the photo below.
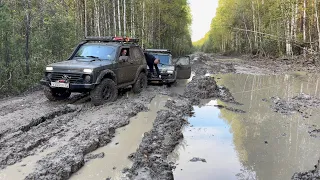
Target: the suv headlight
pixel 49 68
pixel 87 70
pixel 170 72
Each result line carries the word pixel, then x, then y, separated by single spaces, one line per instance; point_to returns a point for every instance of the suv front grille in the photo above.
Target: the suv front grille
pixel 166 76
pixel 73 78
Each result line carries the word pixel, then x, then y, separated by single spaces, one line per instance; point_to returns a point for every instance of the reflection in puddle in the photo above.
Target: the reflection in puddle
pixel 258 144
pixel 126 141
pixel 208 137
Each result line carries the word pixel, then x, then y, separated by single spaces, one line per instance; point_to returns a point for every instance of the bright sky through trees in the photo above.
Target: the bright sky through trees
pixel 202 13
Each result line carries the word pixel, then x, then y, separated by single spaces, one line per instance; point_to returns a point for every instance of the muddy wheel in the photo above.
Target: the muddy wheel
pixel 172 84
pixel 106 91
pixel 141 83
pixel 55 94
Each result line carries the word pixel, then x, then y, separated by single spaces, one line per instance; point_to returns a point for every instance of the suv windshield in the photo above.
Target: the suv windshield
pixel 164 58
pixel 100 51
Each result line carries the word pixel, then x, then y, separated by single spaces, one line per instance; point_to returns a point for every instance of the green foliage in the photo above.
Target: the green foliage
pixel 56 27
pixel 250 26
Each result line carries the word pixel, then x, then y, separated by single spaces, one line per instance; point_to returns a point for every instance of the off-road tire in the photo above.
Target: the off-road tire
pixel 172 83
pixel 98 93
pixel 141 83
pixel 55 94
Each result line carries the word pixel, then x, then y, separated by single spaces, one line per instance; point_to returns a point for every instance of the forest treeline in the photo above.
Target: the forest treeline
pixel 34 33
pixel 264 27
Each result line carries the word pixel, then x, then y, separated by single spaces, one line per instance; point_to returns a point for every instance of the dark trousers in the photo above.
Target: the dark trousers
pixel 152 70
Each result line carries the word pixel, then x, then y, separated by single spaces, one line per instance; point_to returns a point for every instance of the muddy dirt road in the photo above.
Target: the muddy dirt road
pixel 232 119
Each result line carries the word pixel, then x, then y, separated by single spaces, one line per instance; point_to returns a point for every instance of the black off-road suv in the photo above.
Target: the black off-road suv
pixel 100 66
pixel 170 69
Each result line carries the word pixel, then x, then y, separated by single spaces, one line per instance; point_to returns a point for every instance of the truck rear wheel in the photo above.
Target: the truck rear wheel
pixel 55 94
pixel 106 91
pixel 141 83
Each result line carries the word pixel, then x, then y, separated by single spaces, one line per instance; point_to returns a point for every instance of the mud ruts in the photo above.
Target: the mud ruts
pixel 150 159
pixel 309 175
pixel 297 104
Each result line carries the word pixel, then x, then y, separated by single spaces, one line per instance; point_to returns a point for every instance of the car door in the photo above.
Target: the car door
pixel 183 67
pixel 138 57
pixel 125 71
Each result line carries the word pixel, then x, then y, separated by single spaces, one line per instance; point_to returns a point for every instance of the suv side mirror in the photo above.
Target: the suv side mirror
pixel 123 58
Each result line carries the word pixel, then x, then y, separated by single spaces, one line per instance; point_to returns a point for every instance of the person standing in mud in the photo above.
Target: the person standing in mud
pixel 152 61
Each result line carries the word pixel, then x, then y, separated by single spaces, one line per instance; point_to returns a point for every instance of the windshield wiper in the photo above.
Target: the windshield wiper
pixel 95 57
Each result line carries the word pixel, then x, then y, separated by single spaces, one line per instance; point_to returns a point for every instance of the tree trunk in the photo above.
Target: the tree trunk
pixel 114 17
pixel 288 39
pixel 109 23
pixel 304 26
pixel 105 20
pixel 159 25
pixel 27 33
pixel 133 21
pixel 131 18
pixel 119 18
pixel 254 25
pixel 142 29
pixel 97 18
pixel 124 17
pixel 245 25
pixel 317 20
pixel 85 19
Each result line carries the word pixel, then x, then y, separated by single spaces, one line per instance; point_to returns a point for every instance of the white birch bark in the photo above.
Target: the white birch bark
pixel 124 17
pixel 304 25
pixel 97 18
pixel 114 18
pixel 85 19
pixel 317 20
pixel 119 18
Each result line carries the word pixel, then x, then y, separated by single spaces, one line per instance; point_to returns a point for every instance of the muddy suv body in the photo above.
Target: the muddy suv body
pixel 170 70
pixel 98 67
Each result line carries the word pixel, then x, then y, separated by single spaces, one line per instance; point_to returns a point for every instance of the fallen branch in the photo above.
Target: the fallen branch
pixel 295 43
pixel 6 81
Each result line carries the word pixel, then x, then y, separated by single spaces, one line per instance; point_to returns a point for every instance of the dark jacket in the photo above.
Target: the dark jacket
pixel 150 62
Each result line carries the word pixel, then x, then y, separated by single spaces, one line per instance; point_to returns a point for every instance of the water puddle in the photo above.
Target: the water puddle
pixel 258 144
pixel 125 142
pixel 21 169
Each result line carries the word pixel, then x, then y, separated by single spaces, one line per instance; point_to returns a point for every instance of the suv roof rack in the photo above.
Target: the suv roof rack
pixel 112 39
pixel 158 50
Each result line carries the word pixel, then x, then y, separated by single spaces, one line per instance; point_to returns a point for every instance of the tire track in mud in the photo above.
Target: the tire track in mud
pixel 96 128
pixel 49 116
pixel 25 140
pixel 149 161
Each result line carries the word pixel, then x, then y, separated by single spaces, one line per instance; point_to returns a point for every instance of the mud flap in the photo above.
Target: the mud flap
pixel 183 67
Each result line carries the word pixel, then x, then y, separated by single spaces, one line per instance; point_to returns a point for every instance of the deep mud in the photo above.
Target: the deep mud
pixel 31 125
pixel 70 130
pixel 282 65
pixel 71 157
pixel 205 87
pixel 150 159
pixel 298 104
pixel 312 174
pixel 203 64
